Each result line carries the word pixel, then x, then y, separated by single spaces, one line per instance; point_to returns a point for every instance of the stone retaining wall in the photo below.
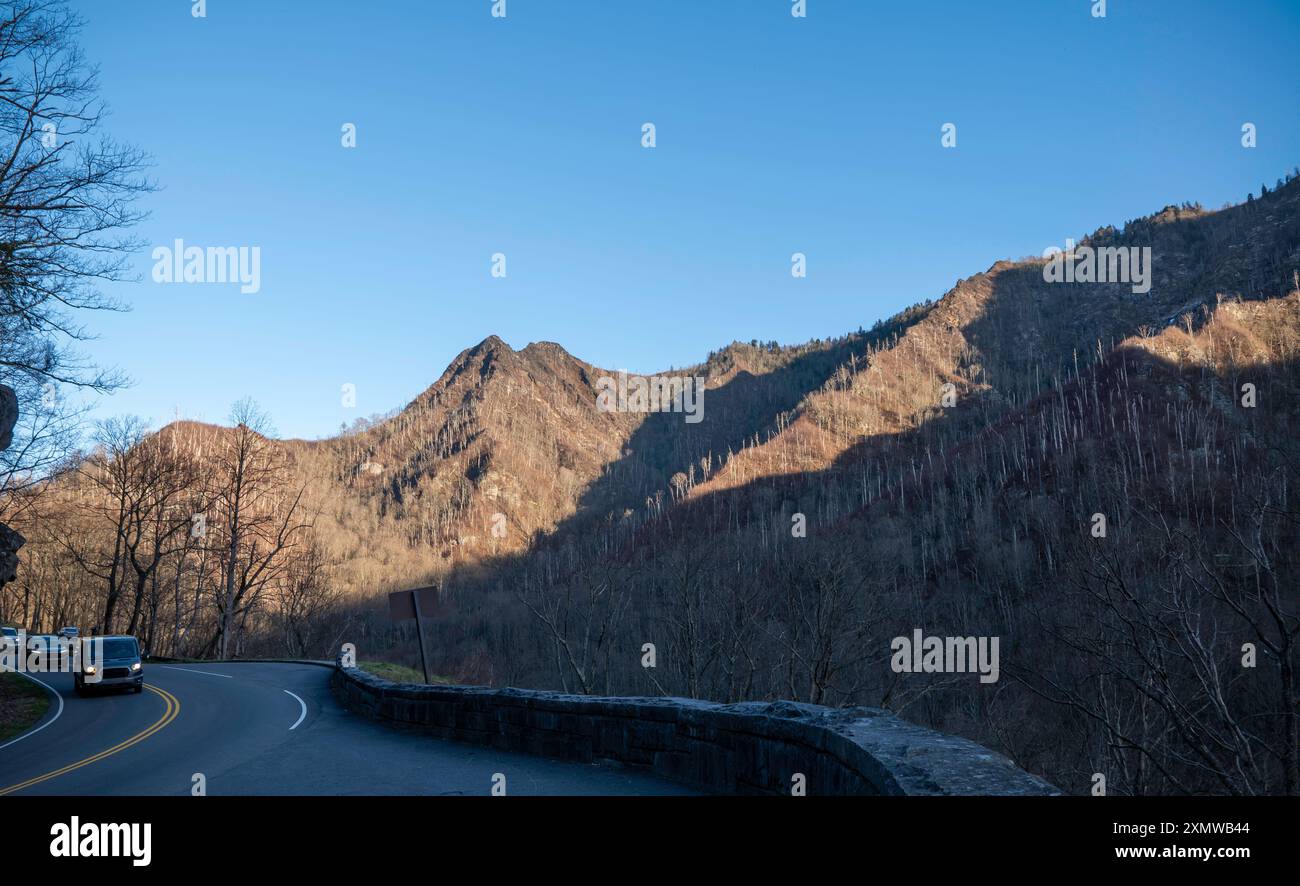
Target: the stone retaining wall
pixel 750 748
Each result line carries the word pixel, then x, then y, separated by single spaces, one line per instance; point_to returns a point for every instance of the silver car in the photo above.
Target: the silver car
pixel 46 652
pixel 110 663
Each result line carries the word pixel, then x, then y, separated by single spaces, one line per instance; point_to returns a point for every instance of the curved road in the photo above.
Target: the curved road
pixel 269 729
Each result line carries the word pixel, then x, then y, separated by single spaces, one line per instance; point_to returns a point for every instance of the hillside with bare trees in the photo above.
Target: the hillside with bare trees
pixel 1097 476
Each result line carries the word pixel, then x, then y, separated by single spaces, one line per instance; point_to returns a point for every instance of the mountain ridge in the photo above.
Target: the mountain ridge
pixel 516 433
pixel 1100 475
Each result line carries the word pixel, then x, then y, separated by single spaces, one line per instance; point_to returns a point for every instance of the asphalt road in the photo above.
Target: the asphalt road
pixel 264 729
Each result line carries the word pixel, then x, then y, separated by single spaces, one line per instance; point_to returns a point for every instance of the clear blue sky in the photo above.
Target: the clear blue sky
pixel 523 136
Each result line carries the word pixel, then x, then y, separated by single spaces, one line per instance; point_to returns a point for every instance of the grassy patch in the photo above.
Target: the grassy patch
pixel 22 703
pixel 397 673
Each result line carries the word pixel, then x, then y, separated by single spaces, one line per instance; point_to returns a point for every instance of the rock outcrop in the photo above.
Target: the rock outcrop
pixel 8 416
pixel 10 541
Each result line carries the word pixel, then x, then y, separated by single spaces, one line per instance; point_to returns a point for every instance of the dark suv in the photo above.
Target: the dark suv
pixel 109 663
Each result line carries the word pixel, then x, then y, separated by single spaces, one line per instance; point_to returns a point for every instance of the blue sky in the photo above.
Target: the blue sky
pixel 523 136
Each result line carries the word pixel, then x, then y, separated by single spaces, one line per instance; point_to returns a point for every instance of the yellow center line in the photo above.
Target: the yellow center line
pixel 173 708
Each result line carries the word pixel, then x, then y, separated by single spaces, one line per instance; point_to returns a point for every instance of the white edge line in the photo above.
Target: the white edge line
pixel 56 716
pixel 192 671
pixel 301 716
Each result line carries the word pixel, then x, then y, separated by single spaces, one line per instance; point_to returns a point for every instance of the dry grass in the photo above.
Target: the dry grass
pixel 22 704
pixel 398 673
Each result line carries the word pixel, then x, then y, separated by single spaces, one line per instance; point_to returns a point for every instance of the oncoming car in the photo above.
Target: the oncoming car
pixel 115 664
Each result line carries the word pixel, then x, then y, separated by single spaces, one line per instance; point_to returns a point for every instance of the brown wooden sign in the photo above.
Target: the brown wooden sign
pixel 417 604
pixel 402 604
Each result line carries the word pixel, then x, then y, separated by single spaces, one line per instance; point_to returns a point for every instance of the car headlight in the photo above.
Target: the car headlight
pixel 90 669
pixel 136 666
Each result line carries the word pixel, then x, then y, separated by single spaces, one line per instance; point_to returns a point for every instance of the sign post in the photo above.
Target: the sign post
pixel 415 604
pixel 419 634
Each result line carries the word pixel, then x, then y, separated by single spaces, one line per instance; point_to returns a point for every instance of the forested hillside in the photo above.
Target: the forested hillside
pixel 947 470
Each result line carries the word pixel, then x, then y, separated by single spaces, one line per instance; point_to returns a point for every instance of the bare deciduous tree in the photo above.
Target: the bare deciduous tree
pixel 256 520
